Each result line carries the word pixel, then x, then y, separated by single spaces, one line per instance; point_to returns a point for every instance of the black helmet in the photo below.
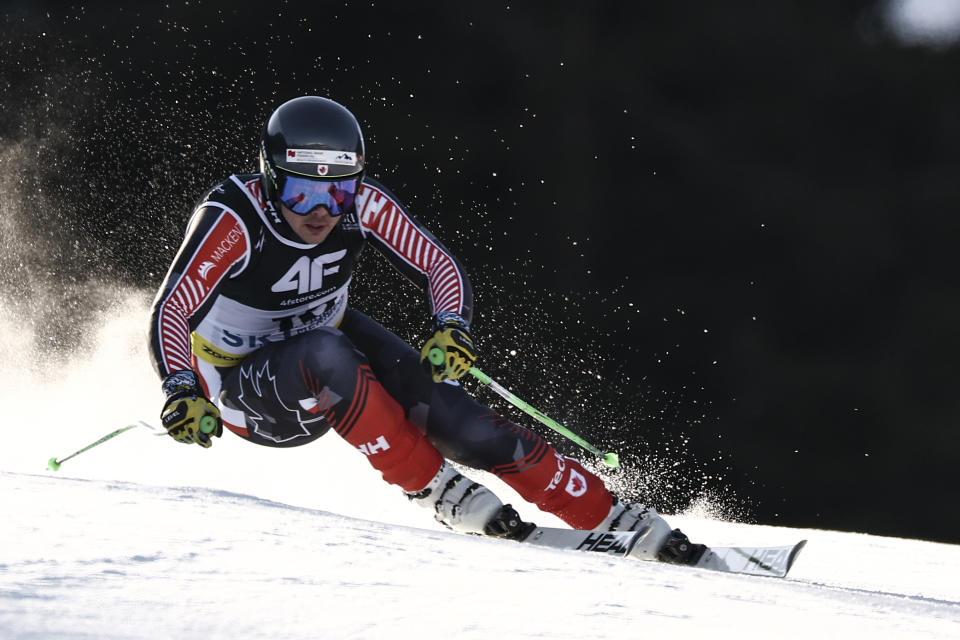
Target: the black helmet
pixel 310 137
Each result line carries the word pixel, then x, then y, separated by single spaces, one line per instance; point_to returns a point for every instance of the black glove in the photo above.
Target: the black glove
pixel 449 354
pixel 188 415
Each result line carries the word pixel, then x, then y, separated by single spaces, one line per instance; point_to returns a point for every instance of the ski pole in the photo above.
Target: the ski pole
pixel 610 459
pixel 54 464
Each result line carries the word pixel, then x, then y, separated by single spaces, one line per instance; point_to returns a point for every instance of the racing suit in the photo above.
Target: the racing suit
pixel 264 320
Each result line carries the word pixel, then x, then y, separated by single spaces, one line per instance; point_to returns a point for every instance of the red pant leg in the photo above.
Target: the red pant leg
pixel 375 424
pixel 559 485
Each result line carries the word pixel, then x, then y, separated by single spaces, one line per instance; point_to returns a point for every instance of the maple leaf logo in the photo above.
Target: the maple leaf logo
pixel 577 484
pixel 262 385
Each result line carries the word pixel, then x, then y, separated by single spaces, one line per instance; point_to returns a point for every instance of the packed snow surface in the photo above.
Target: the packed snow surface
pixel 115 559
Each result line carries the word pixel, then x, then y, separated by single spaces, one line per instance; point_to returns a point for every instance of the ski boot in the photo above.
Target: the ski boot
pixel 459 503
pixel 637 517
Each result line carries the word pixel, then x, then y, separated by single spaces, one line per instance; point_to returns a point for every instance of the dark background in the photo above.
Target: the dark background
pixel 718 236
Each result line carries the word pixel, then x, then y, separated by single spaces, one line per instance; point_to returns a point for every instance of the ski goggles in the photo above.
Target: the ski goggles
pixel 303 195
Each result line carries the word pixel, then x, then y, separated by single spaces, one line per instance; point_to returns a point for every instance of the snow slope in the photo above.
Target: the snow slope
pixel 93 559
pixel 143 537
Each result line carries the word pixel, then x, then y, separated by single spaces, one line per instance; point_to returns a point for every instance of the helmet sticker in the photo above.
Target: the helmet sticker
pixel 321 156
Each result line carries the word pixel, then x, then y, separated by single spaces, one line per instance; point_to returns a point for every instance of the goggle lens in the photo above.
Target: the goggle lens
pixel 303 195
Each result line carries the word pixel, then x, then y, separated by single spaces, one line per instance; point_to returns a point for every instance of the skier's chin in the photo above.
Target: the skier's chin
pixel 315 233
pixel 312 228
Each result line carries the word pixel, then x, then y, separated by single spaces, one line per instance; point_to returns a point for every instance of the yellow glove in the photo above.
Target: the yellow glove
pixel 188 415
pixel 449 354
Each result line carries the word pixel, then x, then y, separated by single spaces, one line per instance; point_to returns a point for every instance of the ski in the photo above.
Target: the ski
pixel 755 561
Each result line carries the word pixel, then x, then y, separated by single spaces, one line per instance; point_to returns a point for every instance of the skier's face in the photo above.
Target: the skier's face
pixel 314 227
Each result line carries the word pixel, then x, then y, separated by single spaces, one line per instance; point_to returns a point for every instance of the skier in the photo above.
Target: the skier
pixel 251 330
